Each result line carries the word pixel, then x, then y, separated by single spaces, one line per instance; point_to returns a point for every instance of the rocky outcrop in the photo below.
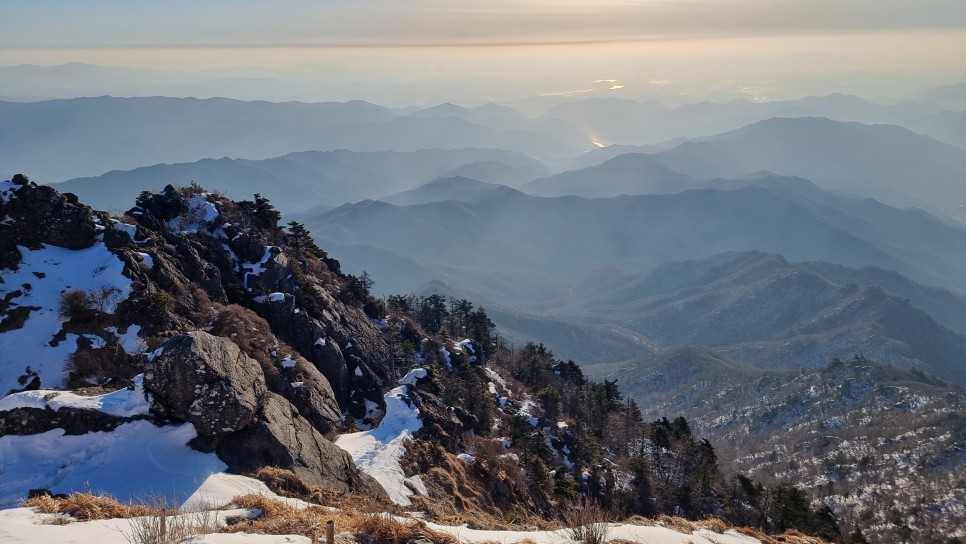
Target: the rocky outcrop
pixel 208 381
pixel 41 215
pixel 280 437
pixel 74 421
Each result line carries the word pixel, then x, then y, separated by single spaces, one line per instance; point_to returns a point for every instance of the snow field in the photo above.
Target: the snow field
pixel 42 277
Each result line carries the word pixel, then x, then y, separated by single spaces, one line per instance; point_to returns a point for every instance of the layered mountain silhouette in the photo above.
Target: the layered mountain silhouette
pixel 297 181
pixel 518 234
pixel 90 136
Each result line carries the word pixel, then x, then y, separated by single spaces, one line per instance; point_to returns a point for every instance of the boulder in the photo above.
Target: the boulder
pixel 208 381
pixel 280 437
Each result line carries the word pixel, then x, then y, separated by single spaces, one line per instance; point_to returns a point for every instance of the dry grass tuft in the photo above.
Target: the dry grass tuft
pixel 713 524
pixel 758 534
pixel 639 520
pixel 277 518
pixel 87 506
pixel 274 517
pixel 679 524
pixel 470 494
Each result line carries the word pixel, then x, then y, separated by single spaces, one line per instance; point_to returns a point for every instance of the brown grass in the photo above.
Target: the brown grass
pixel 278 518
pixel 470 494
pixel 287 484
pixel 87 506
pixel 679 524
pixel 713 524
pixel 639 520
pixel 757 533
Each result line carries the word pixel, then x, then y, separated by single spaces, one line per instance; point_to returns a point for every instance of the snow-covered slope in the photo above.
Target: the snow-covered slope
pixel 377 452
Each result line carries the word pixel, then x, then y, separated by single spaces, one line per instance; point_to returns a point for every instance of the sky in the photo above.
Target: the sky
pixel 764 49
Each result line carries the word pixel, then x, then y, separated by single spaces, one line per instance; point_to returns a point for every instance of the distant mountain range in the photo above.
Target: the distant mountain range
pixel 516 235
pixel 885 162
pixel 759 309
pixel 298 181
pixel 90 136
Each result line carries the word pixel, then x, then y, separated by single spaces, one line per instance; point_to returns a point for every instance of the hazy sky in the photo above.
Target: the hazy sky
pixel 496 48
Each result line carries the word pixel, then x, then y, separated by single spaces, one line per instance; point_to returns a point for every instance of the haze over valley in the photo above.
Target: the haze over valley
pixel 748 214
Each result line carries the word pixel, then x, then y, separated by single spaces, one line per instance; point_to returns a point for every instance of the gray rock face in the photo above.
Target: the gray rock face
pixel 309 392
pixel 280 437
pixel 208 381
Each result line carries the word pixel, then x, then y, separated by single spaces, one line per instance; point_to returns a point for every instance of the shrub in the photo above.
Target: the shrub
pixel 80 305
pixel 95 366
pixel 586 521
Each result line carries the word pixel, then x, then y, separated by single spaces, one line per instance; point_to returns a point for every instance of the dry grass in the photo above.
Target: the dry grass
pixel 287 484
pixel 680 525
pixel 639 520
pixel 713 524
pixel 470 494
pixel 87 506
pixel 587 522
pixel 277 518
pixel 757 533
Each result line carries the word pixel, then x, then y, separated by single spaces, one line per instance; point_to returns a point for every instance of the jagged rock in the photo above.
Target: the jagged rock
pixel 330 362
pixel 308 390
pixel 43 216
pixel 280 437
pixel 440 423
pixel 208 381
pixel 74 421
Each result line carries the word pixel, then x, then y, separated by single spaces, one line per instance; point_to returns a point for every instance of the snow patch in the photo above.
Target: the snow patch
pixel 8 190
pixel 413 375
pixel 41 278
pixel 146 258
pixel 256 269
pixel 121 403
pixel 377 452
pixel 200 213
pixel 136 460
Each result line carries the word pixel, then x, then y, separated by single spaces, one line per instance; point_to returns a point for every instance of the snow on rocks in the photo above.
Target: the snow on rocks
pixel 121 403
pixel 256 269
pixel 200 213
pixel 8 190
pixel 40 279
pixel 526 410
pixel 466 458
pixel 413 375
pixel 135 460
pixel 377 452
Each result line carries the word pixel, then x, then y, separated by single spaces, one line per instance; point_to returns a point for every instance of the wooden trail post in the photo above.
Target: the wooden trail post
pixel 329 532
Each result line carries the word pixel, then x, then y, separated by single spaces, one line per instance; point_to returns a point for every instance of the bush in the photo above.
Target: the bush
pixel 80 305
pixel 587 522
pixel 95 366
